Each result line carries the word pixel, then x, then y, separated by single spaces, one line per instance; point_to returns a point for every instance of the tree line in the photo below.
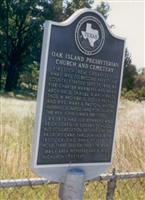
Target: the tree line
pixel 133 86
pixel 21 28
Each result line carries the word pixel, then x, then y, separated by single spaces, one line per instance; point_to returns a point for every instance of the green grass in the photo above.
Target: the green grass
pixel 16 122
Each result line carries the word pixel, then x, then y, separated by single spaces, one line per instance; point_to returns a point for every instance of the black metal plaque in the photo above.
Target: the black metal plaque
pixel 81 92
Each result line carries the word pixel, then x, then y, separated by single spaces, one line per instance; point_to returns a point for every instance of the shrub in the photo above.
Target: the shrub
pixel 130 95
pixel 139 81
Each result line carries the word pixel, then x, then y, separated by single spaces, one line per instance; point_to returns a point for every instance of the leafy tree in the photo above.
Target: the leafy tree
pixel 72 6
pixel 104 9
pixel 20 30
pixel 140 81
pixel 130 72
pixel 127 60
pixel 21 27
pixel 141 70
pixel 57 10
pixel 129 77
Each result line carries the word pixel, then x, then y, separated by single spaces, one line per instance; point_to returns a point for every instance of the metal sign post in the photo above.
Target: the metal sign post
pixel 73 186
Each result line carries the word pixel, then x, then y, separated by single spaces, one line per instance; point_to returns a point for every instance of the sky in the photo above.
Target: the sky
pixel 128 19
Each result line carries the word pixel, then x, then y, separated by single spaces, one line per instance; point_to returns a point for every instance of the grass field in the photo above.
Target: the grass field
pixel 16 122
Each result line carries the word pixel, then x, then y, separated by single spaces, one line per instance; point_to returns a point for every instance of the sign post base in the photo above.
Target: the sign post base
pixel 73 186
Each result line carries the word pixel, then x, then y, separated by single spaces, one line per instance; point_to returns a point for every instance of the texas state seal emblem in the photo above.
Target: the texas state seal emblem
pixel 89 35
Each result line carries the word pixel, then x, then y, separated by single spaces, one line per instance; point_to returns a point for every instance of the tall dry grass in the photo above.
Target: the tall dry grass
pixel 16 124
pixel 130 139
pixel 17 119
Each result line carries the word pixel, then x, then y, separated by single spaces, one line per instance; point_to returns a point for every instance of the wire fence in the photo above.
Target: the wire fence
pixel 123 186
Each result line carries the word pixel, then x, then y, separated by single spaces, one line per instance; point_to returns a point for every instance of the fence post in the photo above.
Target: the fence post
pixel 73 186
pixel 111 186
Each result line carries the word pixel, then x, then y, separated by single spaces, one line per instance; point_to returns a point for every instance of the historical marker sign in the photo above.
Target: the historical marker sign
pixel 79 86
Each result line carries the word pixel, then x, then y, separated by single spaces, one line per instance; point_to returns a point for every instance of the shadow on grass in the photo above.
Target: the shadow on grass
pixel 20 94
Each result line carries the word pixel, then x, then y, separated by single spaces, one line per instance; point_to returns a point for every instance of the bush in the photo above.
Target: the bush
pixel 138 91
pixel 141 94
pixel 129 77
pixel 29 79
pixel 139 81
pixel 136 94
pixel 130 95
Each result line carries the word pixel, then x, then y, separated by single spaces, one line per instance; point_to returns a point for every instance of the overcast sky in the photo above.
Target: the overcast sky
pixel 128 18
